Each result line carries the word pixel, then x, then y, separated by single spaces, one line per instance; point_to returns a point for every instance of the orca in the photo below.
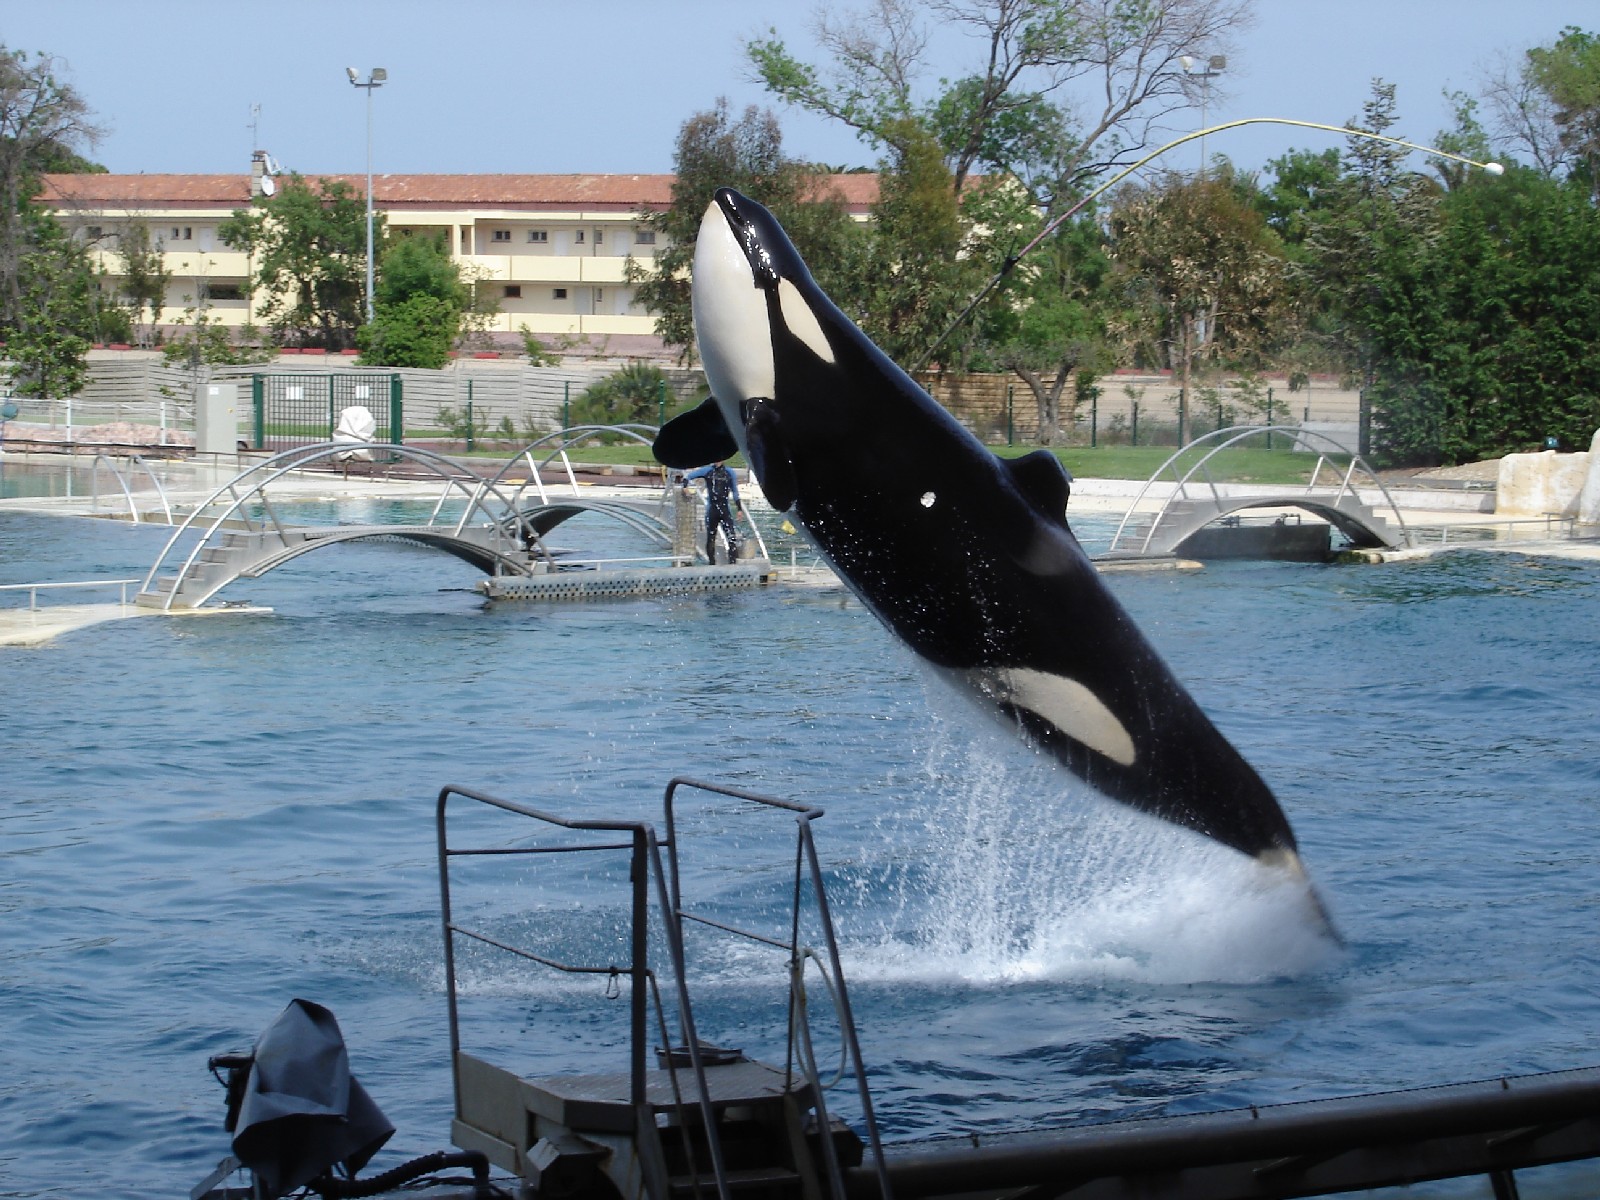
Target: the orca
pixel 965 556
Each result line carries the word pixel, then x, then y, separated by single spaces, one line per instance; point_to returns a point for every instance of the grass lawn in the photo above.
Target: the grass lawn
pixel 1244 464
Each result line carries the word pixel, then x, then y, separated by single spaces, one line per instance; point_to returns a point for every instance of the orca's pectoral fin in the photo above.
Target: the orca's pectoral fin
pixel 694 438
pixel 1043 480
pixel 769 454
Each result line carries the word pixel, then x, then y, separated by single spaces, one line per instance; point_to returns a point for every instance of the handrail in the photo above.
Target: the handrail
pixel 567 438
pixel 805 858
pixel 653 528
pixel 1230 437
pixel 646 865
pixel 94 484
pixel 33 589
pixel 270 470
pixel 133 461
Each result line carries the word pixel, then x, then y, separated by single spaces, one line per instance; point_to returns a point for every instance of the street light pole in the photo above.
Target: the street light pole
pixel 375 79
pixel 1215 65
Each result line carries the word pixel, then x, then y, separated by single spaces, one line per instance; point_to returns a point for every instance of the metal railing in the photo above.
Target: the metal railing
pixel 1216 443
pixel 254 484
pixel 806 866
pixel 134 460
pixel 33 589
pixel 646 871
pixel 1549 527
pixel 644 868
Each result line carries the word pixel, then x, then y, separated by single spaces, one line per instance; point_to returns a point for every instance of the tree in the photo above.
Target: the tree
pixel 1050 328
pixel 1487 339
pixel 48 300
pixel 1369 237
pixel 309 246
pixel 48 341
pixel 1009 114
pixel 916 277
pixel 636 394
pixel 1568 74
pixel 715 151
pixel 144 278
pixel 418 302
pixel 41 121
pixel 1208 273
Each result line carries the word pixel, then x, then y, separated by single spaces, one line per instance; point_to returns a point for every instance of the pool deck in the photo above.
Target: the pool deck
pixel 36 626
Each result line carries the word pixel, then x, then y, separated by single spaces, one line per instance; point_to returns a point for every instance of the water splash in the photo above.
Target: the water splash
pixel 1018 872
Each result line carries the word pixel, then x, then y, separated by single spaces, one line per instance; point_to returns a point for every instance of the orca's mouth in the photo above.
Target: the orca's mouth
pixel 766 247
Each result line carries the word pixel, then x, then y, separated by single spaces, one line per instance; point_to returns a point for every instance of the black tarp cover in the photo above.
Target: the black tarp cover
pixel 302 1110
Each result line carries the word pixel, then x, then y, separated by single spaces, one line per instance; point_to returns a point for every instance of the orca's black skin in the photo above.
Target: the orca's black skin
pixel 965 556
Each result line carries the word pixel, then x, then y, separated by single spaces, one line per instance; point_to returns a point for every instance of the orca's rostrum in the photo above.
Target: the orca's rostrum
pixel 966 556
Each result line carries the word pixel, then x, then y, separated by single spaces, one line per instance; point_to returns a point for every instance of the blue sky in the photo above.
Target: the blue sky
pixel 603 86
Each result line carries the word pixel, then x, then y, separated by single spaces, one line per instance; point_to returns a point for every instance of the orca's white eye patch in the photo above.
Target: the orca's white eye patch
pixel 1068 705
pixel 801 321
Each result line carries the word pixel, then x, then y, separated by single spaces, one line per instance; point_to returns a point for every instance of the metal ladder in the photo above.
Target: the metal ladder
pixel 645 1133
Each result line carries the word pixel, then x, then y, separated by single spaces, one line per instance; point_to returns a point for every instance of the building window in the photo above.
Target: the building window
pixel 182 233
pixel 502 235
pixel 538 235
pixel 578 237
pixel 513 291
pixel 226 291
pixel 644 237
pixel 561 293
pixel 599 295
pixel 92 233
pixel 599 236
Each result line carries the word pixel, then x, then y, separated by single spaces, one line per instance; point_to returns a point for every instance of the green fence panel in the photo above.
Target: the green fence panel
pixel 301 410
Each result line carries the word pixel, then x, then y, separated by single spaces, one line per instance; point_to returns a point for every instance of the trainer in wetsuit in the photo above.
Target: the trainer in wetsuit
pixel 721 493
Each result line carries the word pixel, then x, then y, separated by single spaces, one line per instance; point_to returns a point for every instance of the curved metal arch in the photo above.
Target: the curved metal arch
pixel 1232 436
pixel 272 469
pixel 469 552
pixel 567 437
pixel 134 460
pixel 545 517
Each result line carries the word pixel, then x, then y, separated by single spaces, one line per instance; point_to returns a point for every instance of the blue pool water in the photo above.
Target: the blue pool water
pixel 204 818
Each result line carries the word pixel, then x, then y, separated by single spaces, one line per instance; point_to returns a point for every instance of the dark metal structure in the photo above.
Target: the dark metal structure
pixel 1321 1147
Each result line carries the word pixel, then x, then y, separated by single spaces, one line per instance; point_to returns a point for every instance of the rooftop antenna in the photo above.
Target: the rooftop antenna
pixel 255 122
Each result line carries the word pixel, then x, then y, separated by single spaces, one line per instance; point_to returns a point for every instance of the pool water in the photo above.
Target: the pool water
pixel 207 817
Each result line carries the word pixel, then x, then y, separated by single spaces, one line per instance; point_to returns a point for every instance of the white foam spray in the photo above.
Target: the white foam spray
pixel 1013 870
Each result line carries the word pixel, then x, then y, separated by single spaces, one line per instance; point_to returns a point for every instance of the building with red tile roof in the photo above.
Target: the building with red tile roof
pixel 553 246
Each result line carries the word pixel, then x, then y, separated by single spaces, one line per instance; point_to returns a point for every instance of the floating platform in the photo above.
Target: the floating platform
pixel 600 584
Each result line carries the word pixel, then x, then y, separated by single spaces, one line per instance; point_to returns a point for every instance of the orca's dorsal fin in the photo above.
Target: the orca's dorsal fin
pixel 694 438
pixel 1040 477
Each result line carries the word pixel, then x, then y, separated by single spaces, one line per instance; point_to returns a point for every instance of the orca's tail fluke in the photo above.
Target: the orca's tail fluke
pixel 1287 863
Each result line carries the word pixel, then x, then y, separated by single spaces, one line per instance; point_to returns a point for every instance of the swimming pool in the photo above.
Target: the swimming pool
pixel 207 817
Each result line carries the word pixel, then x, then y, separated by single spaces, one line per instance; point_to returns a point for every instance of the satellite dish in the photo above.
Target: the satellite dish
pixel 272 165
pixel 268 185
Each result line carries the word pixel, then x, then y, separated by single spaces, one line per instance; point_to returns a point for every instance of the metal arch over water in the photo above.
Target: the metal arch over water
pixel 547 514
pixel 233 543
pixel 1185 514
pixel 649 519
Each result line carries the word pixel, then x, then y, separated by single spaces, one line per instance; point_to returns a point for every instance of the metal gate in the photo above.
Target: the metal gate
pixel 302 410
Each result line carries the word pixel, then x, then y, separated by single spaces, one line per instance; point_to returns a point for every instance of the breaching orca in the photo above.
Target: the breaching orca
pixel 966 556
